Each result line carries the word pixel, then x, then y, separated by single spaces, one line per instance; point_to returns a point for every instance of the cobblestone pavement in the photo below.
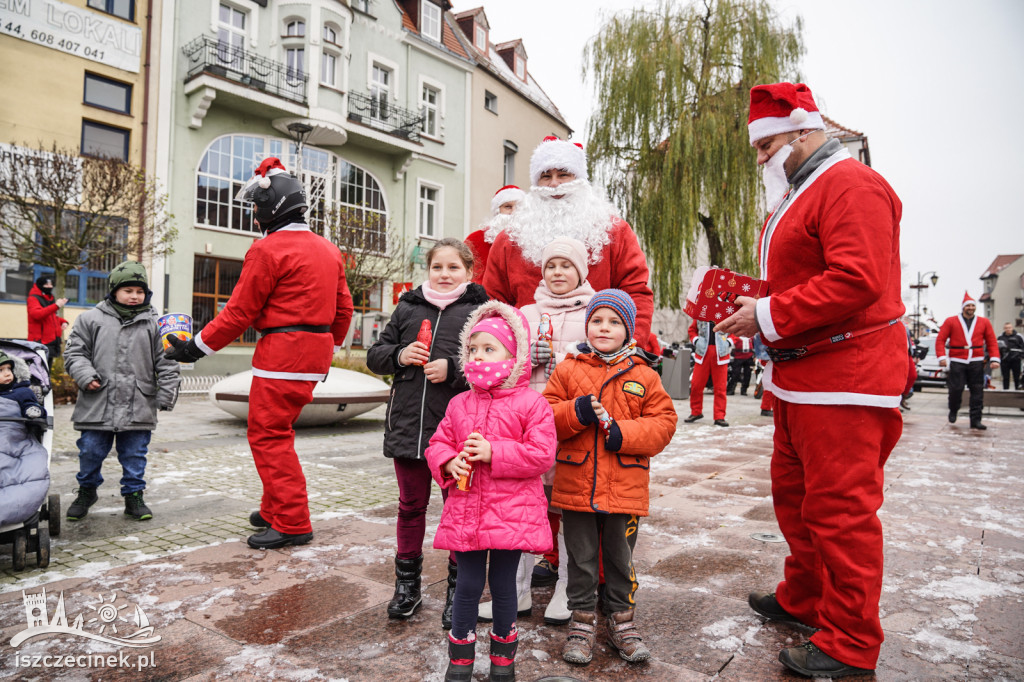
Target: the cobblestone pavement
pixel 952 606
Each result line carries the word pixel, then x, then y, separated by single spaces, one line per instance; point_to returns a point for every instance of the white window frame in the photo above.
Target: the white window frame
pixel 490 97
pixel 297 24
pixel 334 29
pixel 423 206
pixel 383 62
pixel 232 32
pixel 520 67
pixel 438 108
pixel 329 57
pixel 251 31
pixel 295 53
pixel 480 37
pixel 435 18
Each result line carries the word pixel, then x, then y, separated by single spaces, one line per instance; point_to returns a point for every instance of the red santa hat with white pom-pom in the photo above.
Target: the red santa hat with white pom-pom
pixel 782 108
pixel 554 153
pixel 967 301
pixel 271 166
pixel 504 195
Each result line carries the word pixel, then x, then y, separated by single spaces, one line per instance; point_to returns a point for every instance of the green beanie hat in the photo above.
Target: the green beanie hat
pixel 128 274
pixel 5 359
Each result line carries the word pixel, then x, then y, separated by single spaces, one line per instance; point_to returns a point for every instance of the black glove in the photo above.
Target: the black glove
pixel 585 411
pixel 613 441
pixel 183 351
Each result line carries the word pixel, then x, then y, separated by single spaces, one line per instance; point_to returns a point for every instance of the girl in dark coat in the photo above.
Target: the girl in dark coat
pixel 426 378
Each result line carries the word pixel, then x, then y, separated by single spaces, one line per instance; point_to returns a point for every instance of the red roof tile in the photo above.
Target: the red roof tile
pixel 1000 263
pixel 834 129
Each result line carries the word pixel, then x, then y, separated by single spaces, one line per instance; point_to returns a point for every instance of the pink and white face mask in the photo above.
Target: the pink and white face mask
pixel 487 375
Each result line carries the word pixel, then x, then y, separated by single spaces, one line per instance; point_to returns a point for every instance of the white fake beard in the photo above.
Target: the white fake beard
pixel 773 175
pixel 582 213
pixel 495 225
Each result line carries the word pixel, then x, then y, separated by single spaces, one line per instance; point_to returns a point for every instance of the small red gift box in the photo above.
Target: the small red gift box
pixel 713 293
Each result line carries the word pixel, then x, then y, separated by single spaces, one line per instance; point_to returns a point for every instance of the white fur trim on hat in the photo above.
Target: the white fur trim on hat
pixel 504 195
pixel 554 153
pixel 772 125
pixel 570 249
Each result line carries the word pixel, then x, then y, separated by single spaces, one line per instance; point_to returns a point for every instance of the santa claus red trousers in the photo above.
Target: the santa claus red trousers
pixel 719 379
pixel 274 405
pixel 827 488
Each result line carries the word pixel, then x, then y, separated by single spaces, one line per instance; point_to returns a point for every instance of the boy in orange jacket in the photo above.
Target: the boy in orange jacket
pixel 612 415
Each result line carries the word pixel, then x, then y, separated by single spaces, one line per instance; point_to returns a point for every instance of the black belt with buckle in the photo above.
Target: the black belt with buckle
pixel 784 354
pixel 311 328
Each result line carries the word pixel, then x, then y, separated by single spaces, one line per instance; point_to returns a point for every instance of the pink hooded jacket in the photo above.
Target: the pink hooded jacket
pixel 505 507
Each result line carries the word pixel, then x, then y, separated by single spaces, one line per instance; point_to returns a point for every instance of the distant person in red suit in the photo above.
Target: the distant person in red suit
pixel 293 291
pixel 45 326
pixel 969 337
pixel 503 204
pixel 830 254
pixel 711 355
pixel 562 203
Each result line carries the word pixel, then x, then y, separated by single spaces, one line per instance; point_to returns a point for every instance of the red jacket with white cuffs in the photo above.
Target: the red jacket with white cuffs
pixel 956 331
pixel 290 277
pixel 831 257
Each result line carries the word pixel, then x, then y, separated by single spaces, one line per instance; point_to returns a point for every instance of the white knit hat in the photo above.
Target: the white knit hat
pixel 570 249
pixel 504 195
pixel 553 153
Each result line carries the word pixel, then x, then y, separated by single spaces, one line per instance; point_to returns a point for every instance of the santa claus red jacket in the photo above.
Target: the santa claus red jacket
pixel 290 277
pixel 955 330
pixel 700 337
pixel 832 261
pixel 622 266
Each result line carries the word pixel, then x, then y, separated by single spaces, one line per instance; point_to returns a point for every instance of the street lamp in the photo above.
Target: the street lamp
pixel 299 132
pixel 921 284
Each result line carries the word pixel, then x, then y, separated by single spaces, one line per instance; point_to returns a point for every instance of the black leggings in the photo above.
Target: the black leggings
pixel 470 585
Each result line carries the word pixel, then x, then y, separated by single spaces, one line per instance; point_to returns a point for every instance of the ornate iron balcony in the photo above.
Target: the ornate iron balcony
pixel 381 114
pixel 208 55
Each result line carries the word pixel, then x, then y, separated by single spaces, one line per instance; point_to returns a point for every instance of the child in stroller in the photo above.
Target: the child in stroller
pixel 24 449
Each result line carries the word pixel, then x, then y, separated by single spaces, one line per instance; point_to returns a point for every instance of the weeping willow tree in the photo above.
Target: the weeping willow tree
pixel 669 136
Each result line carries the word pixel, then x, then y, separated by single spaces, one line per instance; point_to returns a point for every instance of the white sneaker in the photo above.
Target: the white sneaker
pixel 524 606
pixel 557 612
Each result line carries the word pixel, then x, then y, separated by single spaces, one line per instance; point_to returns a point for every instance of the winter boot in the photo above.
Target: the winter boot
pixel 623 635
pixel 135 507
pixel 503 656
pixel 461 653
pixel 446 615
pixel 80 507
pixel 579 645
pixel 524 604
pixel 407 596
pixel 557 612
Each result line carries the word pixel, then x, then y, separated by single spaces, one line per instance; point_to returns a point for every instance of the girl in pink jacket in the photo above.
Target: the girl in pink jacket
pixel 500 434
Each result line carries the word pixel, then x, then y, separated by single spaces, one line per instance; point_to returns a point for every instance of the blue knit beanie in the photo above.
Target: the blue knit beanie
pixel 620 302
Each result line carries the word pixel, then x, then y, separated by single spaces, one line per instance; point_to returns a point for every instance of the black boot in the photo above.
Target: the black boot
pixel 80 507
pixel 461 653
pixel 407 587
pixel 446 615
pixel 503 657
pixel 135 507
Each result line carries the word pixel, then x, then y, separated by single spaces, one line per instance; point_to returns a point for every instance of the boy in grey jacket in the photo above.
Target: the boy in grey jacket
pixel 115 356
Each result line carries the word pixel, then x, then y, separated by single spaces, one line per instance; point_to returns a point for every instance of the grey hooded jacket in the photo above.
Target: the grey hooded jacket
pixel 126 357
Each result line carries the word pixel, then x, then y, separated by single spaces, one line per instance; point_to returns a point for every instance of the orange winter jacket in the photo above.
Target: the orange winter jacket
pixel 589 477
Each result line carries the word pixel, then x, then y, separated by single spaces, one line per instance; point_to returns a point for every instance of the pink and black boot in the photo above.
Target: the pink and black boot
pixel 461 654
pixel 503 656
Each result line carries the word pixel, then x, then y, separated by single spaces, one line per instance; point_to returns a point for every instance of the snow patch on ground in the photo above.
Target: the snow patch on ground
pixel 720 633
pixel 968 588
pixel 942 648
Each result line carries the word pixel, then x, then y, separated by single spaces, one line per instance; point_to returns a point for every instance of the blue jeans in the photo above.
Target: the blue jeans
pixel 93 448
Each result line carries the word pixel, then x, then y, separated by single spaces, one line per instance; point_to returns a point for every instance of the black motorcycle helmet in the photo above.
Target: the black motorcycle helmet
pixel 277 196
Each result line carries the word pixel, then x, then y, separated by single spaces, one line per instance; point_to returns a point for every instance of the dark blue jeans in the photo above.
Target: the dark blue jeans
pixel 469 585
pixel 93 448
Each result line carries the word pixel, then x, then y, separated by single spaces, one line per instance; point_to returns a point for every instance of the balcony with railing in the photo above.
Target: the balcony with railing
pixel 207 55
pixel 382 115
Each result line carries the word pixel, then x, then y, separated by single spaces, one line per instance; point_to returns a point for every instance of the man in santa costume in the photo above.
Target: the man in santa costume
pixel 711 356
pixel 741 367
pixel 969 337
pixel 830 254
pixel 503 204
pixel 293 291
pixel 563 203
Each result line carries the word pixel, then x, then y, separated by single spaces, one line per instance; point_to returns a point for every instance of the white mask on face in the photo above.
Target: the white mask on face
pixel 773 175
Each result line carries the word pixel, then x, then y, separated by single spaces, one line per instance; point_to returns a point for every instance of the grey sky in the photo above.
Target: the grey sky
pixel 936 85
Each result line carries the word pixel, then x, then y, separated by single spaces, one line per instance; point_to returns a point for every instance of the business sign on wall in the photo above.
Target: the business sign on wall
pixel 74 30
